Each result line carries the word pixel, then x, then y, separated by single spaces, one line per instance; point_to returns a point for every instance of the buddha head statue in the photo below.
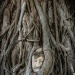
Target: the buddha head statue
pixel 37 60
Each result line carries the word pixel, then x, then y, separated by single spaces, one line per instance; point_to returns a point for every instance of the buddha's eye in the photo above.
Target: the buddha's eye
pixel 41 60
pixel 35 60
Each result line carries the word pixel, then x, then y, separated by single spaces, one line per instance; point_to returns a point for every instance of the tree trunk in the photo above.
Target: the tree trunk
pixel 26 25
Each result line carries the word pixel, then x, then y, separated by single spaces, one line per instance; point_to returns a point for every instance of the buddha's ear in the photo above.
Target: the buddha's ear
pixel 33 57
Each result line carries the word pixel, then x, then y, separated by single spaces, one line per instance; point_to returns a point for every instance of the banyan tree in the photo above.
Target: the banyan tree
pixel 30 25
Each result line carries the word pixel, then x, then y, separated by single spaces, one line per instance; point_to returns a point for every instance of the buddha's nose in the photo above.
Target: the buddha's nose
pixel 37 64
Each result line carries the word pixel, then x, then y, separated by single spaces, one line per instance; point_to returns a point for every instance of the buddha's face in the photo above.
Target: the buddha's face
pixel 37 62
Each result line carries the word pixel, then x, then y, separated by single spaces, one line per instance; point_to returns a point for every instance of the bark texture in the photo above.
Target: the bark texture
pixel 26 25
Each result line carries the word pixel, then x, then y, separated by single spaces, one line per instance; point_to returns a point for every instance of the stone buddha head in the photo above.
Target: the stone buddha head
pixel 37 60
